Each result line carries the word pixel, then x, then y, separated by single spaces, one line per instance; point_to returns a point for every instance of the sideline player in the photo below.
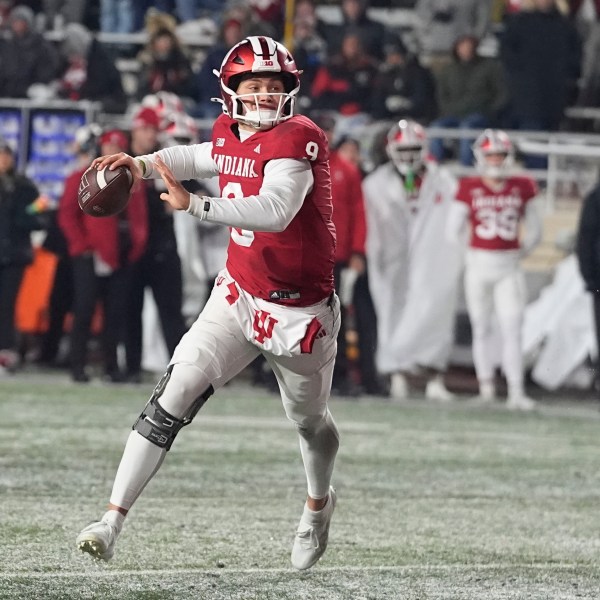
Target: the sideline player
pixel 274 297
pixel 413 271
pixel 496 204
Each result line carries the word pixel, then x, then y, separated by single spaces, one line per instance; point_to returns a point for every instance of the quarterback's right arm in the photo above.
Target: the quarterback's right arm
pixel 286 183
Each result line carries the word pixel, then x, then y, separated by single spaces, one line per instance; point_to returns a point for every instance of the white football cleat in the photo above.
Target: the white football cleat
pixel 313 532
pixel 98 539
pixel 520 402
pixel 436 390
pixel 487 393
pixel 398 387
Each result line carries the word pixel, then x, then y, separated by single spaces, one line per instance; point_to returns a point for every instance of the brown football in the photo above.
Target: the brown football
pixel 104 193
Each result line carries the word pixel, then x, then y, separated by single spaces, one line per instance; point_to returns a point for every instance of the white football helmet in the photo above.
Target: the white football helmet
pixel 407 146
pixel 182 129
pixel 497 143
pixel 259 55
pixel 165 105
pixel 87 138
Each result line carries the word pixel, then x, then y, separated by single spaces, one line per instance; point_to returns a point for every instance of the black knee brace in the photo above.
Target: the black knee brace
pixel 157 425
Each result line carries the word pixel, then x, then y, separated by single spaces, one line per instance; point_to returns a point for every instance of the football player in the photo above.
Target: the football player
pixel 495 205
pixel 413 272
pixel 274 297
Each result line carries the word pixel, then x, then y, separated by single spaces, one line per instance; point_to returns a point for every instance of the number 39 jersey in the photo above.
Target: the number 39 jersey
pixel 294 266
pixel 495 215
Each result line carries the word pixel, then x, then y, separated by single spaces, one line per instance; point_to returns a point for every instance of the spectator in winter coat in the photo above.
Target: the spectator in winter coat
pixel 345 83
pixel 440 22
pixel 403 87
pixel 372 33
pixel 207 85
pixel 310 47
pixel 26 58
pixel 471 91
pixel 542 69
pixel 103 252
pixel 16 194
pixel 159 268
pixel 165 66
pixel 89 73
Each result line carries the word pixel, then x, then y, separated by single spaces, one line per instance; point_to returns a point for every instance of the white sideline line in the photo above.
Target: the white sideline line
pixel 108 572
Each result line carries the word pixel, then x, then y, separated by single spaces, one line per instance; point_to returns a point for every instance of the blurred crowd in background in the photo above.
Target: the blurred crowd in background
pixel 446 62
pixel 458 64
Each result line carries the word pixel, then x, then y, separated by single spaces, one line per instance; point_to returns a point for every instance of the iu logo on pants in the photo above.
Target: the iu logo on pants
pixel 263 325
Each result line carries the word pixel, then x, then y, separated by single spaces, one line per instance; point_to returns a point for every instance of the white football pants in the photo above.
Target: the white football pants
pixel 212 352
pixel 495 283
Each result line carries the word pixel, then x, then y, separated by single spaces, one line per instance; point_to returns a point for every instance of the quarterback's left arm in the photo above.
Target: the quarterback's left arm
pixel 533 229
pixel 286 183
pixel 185 162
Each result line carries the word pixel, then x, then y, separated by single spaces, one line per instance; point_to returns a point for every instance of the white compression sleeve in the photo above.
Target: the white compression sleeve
pixel 186 162
pixel 141 458
pixel 286 183
pixel 140 461
pixel 319 448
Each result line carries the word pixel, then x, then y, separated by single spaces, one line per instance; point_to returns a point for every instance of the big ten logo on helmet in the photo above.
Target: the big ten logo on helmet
pixel 266 63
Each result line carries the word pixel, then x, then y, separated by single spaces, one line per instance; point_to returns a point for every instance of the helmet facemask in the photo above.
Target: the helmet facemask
pixel 258 56
pixel 407 147
pixel 494 143
pixel 494 171
pixel 247 108
pixel 406 159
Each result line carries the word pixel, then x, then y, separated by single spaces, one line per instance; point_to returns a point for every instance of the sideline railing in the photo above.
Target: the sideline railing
pixel 559 146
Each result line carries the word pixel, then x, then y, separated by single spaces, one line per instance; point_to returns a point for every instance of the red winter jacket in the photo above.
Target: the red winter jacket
pixel 99 234
pixel 348 208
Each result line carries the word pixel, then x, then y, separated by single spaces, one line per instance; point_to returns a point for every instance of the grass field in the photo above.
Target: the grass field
pixel 434 502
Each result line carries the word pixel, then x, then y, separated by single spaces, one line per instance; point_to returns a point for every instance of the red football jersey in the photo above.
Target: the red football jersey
pixel 495 215
pixel 294 266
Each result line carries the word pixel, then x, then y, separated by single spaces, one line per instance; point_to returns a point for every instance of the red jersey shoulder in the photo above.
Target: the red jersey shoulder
pixel 527 186
pixel 298 138
pixel 465 188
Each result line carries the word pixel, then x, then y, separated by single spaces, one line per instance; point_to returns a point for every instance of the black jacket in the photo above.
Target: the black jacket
pixel 24 61
pixel 588 241
pixel 103 81
pixel 542 56
pixel 16 224
pixel 402 91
